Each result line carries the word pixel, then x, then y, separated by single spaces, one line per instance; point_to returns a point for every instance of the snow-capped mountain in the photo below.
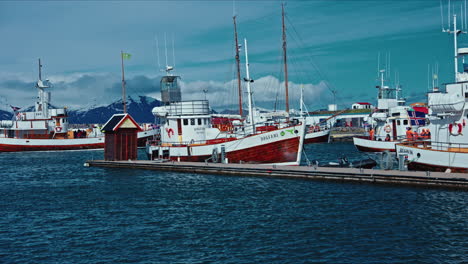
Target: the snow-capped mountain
pixel 139 109
pixel 5 115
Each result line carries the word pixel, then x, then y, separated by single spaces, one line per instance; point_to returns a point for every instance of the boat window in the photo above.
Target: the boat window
pixel 405 122
pixel 466 95
pixel 199 121
pixel 192 121
pixel 185 122
pixel 398 122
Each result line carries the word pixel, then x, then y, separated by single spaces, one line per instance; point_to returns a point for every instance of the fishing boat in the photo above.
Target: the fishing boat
pixel 46 128
pixel 447 149
pixel 270 120
pixel 391 121
pixel 188 133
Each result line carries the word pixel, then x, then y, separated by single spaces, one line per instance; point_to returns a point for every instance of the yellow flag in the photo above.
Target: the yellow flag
pixel 126 56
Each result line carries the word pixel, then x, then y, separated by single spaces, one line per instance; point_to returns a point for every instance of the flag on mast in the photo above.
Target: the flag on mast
pixel 15 108
pixel 126 56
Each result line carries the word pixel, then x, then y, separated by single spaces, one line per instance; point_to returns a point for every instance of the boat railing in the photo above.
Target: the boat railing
pixel 443 146
pixel 195 107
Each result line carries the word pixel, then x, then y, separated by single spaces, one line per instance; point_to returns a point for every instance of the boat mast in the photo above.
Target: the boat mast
pixel 249 91
pixel 238 66
pixel 455 34
pixel 285 65
pixel 123 84
pixel 301 101
pixel 40 71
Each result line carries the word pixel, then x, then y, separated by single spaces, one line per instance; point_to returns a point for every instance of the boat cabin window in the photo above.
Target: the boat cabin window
pixel 199 121
pixel 192 121
pixel 405 122
pixel 398 122
pixel 185 122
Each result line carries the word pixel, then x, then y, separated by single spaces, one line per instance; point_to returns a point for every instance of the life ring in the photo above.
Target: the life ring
pixel 58 129
pixel 388 129
pixel 458 131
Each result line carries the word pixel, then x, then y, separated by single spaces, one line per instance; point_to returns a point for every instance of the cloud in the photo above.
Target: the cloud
pixel 78 90
pixel 267 91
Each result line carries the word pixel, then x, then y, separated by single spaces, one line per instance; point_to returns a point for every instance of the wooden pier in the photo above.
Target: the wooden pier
pixel 419 178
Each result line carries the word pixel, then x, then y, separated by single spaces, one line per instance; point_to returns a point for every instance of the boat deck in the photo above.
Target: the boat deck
pixel 419 178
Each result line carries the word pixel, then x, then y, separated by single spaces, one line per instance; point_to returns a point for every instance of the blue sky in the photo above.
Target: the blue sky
pixel 331 45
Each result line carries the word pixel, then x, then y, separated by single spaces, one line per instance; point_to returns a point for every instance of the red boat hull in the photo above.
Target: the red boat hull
pixel 276 152
pixel 368 149
pixel 16 148
pixel 418 166
pixel 321 139
pixel 55 147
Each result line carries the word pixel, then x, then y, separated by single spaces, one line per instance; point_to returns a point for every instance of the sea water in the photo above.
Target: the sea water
pixel 55 210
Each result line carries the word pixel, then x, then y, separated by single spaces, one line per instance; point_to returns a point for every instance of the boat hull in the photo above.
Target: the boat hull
pixel 367 145
pixel 16 145
pixel 317 137
pixel 425 159
pixel 282 146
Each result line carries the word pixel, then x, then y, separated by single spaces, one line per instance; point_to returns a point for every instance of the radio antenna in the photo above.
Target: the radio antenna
pixel 173 52
pixel 441 16
pixel 157 51
pixel 165 47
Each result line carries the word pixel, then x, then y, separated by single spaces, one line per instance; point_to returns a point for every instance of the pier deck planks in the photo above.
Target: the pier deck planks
pixel 431 179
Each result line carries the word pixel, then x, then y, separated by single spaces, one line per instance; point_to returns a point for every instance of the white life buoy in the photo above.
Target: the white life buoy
pixel 58 129
pixel 388 129
pixel 455 131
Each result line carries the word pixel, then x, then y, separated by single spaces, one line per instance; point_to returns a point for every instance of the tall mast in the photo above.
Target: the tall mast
pixel 123 85
pixel 455 34
pixel 285 65
pixel 238 66
pixel 40 72
pixel 301 101
pixel 249 91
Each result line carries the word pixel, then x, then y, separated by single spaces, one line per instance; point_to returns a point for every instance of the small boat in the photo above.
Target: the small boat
pixel 391 122
pixel 47 129
pixel 343 162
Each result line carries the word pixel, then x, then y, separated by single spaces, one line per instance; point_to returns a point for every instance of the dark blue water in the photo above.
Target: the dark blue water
pixel 54 210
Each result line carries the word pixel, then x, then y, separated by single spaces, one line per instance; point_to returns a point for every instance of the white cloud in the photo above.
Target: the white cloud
pixel 266 91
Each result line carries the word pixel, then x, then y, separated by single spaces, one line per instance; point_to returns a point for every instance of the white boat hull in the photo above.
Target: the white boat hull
pixel 18 144
pixel 423 158
pixel 367 145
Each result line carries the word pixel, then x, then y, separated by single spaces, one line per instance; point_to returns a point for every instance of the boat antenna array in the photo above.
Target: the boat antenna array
pixel 452 29
pixel 168 68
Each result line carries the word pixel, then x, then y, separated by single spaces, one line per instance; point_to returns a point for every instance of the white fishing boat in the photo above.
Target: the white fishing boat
pixel 47 128
pixel 188 134
pixel 447 149
pixel 392 121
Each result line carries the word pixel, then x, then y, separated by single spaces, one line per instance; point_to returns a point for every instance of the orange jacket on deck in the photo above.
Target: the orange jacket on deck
pixel 409 135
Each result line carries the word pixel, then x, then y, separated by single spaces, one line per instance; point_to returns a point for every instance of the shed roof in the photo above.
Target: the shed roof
pixel 120 121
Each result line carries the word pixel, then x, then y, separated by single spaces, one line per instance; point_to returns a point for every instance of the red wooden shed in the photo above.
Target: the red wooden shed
pixel 121 138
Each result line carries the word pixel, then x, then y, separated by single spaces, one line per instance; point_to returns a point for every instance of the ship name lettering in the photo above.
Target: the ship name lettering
pixel 406 151
pixel 268 137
